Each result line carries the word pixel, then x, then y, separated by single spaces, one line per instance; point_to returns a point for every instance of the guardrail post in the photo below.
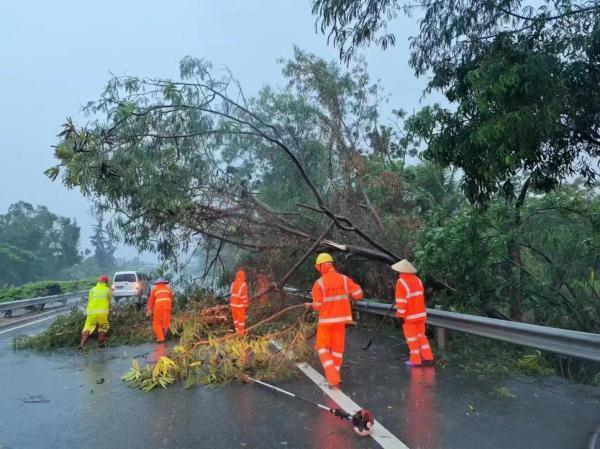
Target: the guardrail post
pixel 440 334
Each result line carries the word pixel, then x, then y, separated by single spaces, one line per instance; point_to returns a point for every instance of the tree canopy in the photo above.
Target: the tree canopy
pixel 521 81
pixel 192 161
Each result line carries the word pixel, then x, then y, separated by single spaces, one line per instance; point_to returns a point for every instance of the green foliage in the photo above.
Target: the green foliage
pixel 534 364
pixel 519 108
pixel 195 162
pixel 44 288
pixel 493 358
pixel 522 80
pixel 356 23
pixel 558 236
pixel 35 244
pixel 502 393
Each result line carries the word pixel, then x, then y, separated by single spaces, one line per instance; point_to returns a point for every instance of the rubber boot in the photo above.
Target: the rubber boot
pixel 85 336
pixel 101 339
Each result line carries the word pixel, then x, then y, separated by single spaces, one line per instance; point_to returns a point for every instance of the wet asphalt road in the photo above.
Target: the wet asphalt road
pixel 425 408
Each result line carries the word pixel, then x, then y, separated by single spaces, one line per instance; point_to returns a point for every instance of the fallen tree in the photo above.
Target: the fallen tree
pixel 182 165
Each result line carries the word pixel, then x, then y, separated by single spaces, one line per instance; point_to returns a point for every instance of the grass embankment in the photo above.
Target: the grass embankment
pixel 44 288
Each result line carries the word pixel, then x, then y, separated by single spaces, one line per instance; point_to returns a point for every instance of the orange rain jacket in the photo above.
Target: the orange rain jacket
pixel 161 303
pixel 239 301
pixel 161 296
pixel 331 295
pixel 410 301
pixel 239 291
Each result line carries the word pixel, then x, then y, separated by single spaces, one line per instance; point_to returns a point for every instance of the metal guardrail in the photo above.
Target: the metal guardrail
pixel 9 306
pixel 561 341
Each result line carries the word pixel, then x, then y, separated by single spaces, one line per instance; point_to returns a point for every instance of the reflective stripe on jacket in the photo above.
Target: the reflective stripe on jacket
pixel 331 295
pixel 410 299
pixel 161 295
pixel 98 300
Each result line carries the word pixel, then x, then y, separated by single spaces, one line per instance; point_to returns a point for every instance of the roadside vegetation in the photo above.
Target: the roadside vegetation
pixel 45 288
pixel 503 359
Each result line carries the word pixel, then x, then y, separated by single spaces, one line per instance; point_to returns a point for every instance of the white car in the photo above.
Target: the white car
pixel 131 284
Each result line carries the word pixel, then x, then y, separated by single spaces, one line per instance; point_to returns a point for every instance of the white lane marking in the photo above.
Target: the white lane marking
pixel 381 435
pixel 29 324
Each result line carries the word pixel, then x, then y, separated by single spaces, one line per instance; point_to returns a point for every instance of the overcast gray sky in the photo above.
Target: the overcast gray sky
pixel 55 56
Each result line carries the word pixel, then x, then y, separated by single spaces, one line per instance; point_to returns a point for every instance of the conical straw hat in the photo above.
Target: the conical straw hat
pixel 404 266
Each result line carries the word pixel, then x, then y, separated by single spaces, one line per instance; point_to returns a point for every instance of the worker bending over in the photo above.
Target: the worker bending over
pixel 410 306
pixel 160 304
pixel 239 301
pixel 97 313
pixel 331 295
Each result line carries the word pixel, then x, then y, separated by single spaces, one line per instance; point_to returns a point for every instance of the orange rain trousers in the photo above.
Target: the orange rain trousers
pixel 161 321
pixel 239 319
pixel 330 346
pixel 414 332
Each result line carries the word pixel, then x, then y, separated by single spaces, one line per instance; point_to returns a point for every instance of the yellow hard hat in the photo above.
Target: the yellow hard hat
pixel 323 258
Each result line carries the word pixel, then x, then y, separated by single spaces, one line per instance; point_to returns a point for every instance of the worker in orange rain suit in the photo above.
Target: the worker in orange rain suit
pixel 331 296
pixel 239 301
pixel 97 313
pixel 160 304
pixel 410 306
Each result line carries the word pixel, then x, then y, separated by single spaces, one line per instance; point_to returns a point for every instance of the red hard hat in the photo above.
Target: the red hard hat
pixel 103 278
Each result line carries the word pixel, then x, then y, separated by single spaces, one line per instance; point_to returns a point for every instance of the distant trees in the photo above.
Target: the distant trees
pixel 35 244
pixel 104 247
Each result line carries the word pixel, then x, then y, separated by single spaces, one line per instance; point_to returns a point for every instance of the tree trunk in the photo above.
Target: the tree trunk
pixel 514 256
pixel 516 299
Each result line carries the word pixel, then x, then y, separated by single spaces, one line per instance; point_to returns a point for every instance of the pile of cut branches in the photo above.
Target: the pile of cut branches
pixel 209 353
